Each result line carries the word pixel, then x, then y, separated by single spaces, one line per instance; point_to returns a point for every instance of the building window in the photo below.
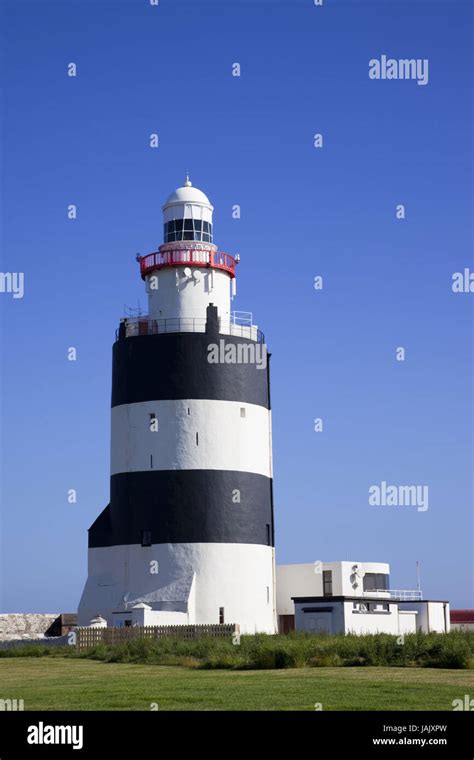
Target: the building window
pixel 151 461
pixel 189 410
pixel 197 439
pixel 242 411
pixel 221 616
pixel 268 534
pixel 146 537
pixel 268 594
pixel 127 623
pixel 327 582
pixel 368 607
pixel 375 582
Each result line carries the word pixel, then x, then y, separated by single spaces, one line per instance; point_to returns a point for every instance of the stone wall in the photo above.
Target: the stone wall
pixel 55 641
pixel 24 625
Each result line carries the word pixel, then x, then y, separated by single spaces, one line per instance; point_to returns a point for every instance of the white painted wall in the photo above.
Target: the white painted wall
pixel 371 622
pixel 407 621
pixel 238 577
pixel 227 441
pixel 432 616
pixel 307 580
pixel 150 617
pixel 343 619
pixel 295 580
pixel 350 576
pixel 179 296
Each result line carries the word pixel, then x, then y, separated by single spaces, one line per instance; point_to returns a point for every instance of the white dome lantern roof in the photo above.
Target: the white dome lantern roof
pixel 188 194
pixel 187 215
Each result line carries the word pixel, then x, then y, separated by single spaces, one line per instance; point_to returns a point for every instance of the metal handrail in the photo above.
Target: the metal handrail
pixel 406 595
pixel 144 326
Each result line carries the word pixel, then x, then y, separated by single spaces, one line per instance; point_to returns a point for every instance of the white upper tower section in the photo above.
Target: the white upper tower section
pixel 187 273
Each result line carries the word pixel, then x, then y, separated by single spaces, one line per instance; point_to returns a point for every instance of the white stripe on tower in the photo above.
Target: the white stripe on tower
pixel 191 434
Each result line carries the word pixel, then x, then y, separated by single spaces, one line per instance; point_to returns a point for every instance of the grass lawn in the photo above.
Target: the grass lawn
pixel 69 684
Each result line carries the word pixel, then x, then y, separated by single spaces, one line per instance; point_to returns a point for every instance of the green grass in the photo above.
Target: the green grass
pixel 66 683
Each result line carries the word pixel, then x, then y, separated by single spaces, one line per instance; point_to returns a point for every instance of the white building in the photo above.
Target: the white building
pixel 352 597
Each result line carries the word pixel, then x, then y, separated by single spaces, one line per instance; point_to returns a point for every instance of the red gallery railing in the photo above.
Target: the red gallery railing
pixel 181 257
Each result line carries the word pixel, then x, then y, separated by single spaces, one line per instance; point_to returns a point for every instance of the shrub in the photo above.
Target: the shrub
pixel 295 650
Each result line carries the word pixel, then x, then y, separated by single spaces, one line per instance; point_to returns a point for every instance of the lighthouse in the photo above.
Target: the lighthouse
pixel 188 535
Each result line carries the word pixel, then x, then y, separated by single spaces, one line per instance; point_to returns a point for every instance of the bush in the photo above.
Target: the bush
pixel 295 650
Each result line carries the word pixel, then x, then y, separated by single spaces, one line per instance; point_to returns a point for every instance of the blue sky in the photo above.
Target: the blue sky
pixel 305 212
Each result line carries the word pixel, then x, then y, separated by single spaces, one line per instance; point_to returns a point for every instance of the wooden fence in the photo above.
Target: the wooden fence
pixel 86 638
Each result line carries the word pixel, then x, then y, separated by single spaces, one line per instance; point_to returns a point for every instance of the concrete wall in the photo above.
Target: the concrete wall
pixel 462 626
pixel 315 622
pixel 55 641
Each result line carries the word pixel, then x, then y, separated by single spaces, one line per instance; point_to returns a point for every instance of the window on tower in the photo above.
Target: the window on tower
pixel 146 537
pixel 187 229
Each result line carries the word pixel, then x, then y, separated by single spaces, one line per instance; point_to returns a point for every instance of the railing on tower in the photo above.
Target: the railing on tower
pixel 144 326
pixel 180 257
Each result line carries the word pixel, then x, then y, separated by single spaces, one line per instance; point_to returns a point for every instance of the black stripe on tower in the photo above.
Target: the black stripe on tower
pixel 186 506
pixel 175 366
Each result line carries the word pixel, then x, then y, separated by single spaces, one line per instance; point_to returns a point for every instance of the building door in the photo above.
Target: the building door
pixel 318 622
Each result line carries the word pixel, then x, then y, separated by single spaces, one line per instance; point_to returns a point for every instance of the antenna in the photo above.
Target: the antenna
pixel 418 583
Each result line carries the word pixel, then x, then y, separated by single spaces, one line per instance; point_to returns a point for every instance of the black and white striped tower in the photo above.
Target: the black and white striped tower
pixel 189 528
